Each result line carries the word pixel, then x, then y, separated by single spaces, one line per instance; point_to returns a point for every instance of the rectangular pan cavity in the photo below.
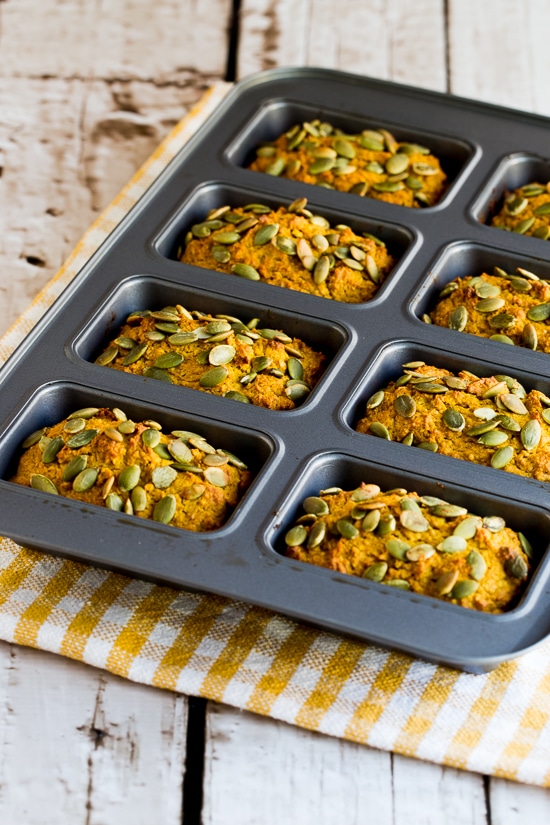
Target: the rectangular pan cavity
pixel 512 172
pixel 277 116
pixel 52 403
pixel 347 473
pixel 213 195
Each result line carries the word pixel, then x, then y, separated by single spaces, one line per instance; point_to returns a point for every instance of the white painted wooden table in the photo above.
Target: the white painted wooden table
pixel 87 89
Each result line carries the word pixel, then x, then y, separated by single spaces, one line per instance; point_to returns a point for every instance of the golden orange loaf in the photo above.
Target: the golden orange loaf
pixel 526 211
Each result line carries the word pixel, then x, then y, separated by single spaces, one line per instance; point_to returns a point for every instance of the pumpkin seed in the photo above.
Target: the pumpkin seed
pixel 493 439
pixel 150 437
pixel 494 523
pixel 126 427
pixel 517 567
pixel 397 548
pixel 411 520
pixel 447 510
pixel 487 290
pixel 405 406
pixel 366 492
pixel 420 552
pixel 516 206
pixel 265 234
pixel 477 565
pixel 386 525
pixel 52 448
pixel 296 536
pixel 216 476
pixel 227 238
pixel 371 521
pixel 509 423
pixel 502 457
pixel 399 584
pixel 529 337
pixel 221 354
pixel 74 467
pixel 375 400
pixel 458 318
pixel 445 583
pixel 430 386
pixel 33 438
pixel 467 528
pixel 214 377
pixel 163 477
pixel 543 209
pixel 276 167
pixel 286 245
pixel 81 439
pixel 525 546
pixel 523 226
pixel 454 420
pixel 542 232
pixel 138 497
pixel 85 412
pixel 42 483
pixel 514 404
pixel 452 544
pixel 135 354
pixel 531 434
pixel 317 534
pixel 397 164
pixel 464 588
pixel 410 504
pixel 179 451
pixel 502 339
pixel 376 572
pixel 85 480
pixel 388 186
pixel 321 165
pixel 346 529
pixel 165 509
pixel 379 430
pixel 372 143
pixel 490 304
pixel 344 149
pixel 107 357
pixel 114 502
pixel 221 255
pixel 129 477
pixel 315 505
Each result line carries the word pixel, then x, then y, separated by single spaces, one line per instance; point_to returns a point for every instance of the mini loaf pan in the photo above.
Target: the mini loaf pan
pixel 485 151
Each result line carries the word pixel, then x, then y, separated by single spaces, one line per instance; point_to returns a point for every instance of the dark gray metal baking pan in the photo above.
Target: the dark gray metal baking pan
pixel 484 150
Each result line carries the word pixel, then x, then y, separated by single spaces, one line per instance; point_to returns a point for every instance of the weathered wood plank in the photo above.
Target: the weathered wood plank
pixel 162 42
pixel 515 804
pixel 390 39
pixel 498 52
pixel 82 747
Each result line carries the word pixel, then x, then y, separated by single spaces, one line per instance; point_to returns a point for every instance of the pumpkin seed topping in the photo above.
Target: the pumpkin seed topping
pixel 464 588
pixel 42 483
pixel 458 318
pixel 315 505
pixel 517 567
pixel 129 477
pixel 51 450
pixel 163 477
pixel 165 509
pixel 376 572
pixel 452 544
pixel 414 521
pixel 405 406
pixel 502 457
pixel 453 419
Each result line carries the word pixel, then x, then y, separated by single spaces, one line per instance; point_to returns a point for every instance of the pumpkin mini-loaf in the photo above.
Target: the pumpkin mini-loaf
pixel 492 420
pixel 102 457
pixel 371 163
pixel 419 543
pixel 219 354
pixel 289 247
pixel 526 211
pixel 512 308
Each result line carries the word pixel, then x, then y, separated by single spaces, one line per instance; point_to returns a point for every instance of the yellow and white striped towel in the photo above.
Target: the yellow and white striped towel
pixel 224 650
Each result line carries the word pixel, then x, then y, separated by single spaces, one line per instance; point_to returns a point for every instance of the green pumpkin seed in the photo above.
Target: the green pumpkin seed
pixel 33 438
pixel 379 430
pixel 246 271
pixel 165 509
pixel 529 337
pixel 114 502
pixel 502 457
pixel 295 369
pixel 129 477
pixel 214 377
pixel 516 206
pixel 405 406
pixel 42 483
pixel 346 529
pixel 296 536
pixel 494 523
pixel 388 186
pixel 286 245
pixel 168 360
pixel 221 354
pixel 487 290
pixel 365 493
pixel 85 412
pixel 490 304
pixel 493 439
pixel 502 339
pixel 526 546
pixel 514 404
pixel 477 565
pixel 317 534
pixel 315 505
pixel 467 528
pixel 397 164
pixel 542 232
pixel 420 168
pixel 74 467
pixel 321 269
pixel 411 520
pixel 532 189
pixel 410 504
pixel 429 446
pixel 445 583
pixel 531 434
pixel 386 525
pixel 543 209
pixel 420 552
pixel 52 448
pixel 376 572
pixel 458 318
pixel 81 439
pixel 265 234
pixel 227 238
pixel 452 544
pixel 221 255
pixel 375 400
pixel 509 423
pixel 397 548
pixel 138 498
pixel 344 149
pixel 107 357
pixel 126 427
pixel 179 451
pixel 216 476
pixel 163 477
pixel 321 165
pixel 454 420
pixel 85 480
pixel 399 584
pixel 371 521
pixel 373 144
pixel 524 226
pixel 150 437
pixel 517 567
pixel 447 510
pixel 464 588
pixel 540 312
pixel 430 386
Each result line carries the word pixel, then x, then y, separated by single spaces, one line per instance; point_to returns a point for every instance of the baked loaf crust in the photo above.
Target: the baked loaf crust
pixel 510 308
pixel 526 211
pixel 289 247
pixel 101 457
pixel 412 542
pixel 491 421
pixel 371 163
pixel 217 354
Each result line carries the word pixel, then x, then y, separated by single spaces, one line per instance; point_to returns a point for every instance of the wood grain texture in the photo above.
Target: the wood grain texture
pixel 78 745
pixel 389 39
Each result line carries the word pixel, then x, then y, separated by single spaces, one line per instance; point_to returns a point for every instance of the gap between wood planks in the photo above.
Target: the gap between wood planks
pixel 193 781
pixel 233 47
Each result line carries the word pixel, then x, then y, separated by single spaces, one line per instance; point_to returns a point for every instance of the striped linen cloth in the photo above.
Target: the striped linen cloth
pixel 204 645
